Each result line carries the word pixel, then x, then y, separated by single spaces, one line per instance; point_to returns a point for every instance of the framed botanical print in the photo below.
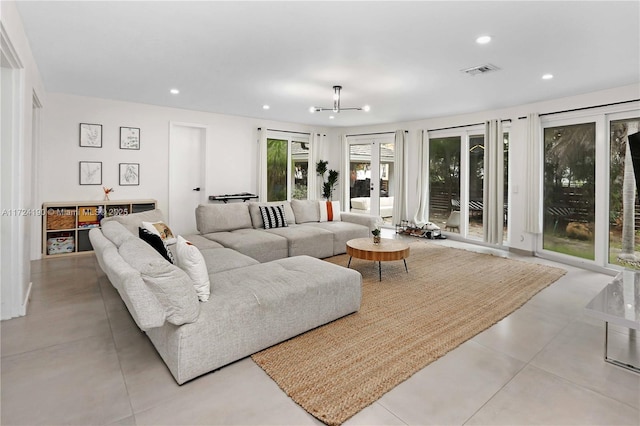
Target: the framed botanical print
pixel 129 174
pixel 129 138
pixel 90 173
pixel 91 135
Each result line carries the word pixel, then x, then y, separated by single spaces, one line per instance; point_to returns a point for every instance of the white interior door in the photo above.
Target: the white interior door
pixel 187 153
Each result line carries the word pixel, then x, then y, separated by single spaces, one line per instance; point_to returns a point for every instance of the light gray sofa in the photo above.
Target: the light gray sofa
pixel 240 226
pixel 252 305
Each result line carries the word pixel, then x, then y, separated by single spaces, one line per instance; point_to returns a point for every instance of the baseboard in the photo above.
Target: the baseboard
pixel 521 252
pixel 25 302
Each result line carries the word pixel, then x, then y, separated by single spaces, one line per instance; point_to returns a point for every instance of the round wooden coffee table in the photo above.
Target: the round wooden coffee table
pixel 363 248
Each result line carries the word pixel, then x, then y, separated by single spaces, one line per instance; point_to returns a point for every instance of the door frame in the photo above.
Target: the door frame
pixel 375 141
pixel 204 142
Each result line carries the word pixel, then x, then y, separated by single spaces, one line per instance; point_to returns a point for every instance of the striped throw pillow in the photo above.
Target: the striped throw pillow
pixel 273 216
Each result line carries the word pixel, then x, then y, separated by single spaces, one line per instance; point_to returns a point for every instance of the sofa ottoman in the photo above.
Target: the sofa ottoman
pixel 260 245
pixel 306 240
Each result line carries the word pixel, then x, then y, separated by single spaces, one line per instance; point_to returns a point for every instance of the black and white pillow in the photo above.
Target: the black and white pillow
pixel 273 216
pixel 157 243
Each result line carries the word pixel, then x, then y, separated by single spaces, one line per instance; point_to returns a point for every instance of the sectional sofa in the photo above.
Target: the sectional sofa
pixel 265 286
pixel 240 226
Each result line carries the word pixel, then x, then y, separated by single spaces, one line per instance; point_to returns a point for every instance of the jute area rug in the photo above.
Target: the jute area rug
pixel 405 322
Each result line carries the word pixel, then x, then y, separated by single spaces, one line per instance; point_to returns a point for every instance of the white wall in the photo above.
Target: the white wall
pixel 519 239
pixel 232 154
pixel 16 185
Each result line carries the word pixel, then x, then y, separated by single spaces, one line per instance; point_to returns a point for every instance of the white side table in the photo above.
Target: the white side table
pixel 618 303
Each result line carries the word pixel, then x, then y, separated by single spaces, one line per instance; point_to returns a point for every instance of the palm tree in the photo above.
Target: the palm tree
pixel 276 169
pixel 619 140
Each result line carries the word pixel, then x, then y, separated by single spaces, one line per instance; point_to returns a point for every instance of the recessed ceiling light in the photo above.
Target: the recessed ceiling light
pixel 174 91
pixel 265 107
pixel 331 117
pixel 483 39
pixel 366 108
pixel 547 76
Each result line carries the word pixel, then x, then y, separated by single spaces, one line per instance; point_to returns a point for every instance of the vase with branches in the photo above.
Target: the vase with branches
pixel 329 183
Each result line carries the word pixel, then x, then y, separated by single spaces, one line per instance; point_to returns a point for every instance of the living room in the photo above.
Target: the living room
pixel 41 165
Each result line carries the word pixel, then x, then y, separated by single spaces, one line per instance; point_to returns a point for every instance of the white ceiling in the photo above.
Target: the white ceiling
pixel 401 58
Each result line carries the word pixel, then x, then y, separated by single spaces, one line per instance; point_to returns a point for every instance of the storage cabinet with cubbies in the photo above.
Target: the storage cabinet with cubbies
pixel 66 225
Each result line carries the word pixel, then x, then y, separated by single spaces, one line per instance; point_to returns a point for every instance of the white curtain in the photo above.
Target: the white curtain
pixel 262 164
pixel 400 178
pixel 345 167
pixel 493 186
pixel 422 184
pixel 533 169
pixel 316 140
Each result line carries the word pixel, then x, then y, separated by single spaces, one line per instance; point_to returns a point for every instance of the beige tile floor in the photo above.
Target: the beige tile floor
pixel 77 358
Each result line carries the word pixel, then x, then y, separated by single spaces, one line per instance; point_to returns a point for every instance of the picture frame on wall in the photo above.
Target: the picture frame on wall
pixel 90 173
pixel 129 174
pixel 129 138
pixel 90 135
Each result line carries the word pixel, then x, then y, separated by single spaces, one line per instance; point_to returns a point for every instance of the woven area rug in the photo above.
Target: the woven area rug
pixel 405 322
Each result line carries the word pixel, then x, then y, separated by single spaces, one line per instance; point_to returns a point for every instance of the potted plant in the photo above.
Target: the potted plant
pixel 376 235
pixel 328 185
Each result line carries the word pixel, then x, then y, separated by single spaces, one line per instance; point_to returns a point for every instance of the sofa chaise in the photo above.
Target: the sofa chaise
pixel 252 305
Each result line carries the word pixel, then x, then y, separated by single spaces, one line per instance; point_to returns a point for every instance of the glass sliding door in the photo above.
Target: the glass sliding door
pixel 456 182
pixel 476 186
pixel 624 209
pixel 444 182
pixel 569 189
pixel 371 170
pixel 506 187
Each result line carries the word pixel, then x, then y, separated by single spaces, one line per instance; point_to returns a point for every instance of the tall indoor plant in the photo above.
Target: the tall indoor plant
pixel 328 185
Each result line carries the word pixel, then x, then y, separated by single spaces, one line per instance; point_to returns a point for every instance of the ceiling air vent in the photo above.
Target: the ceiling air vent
pixel 480 69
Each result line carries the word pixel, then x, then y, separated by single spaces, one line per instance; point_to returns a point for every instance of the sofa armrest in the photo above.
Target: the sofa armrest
pixel 361 219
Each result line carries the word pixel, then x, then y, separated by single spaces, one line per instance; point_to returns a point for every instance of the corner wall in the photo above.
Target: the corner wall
pixel 18 140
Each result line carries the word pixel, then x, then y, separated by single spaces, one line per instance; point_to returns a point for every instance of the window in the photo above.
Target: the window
pixel 287 166
pixel 444 179
pixel 569 189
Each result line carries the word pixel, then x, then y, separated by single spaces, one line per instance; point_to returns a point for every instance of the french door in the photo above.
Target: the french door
pixel 371 169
